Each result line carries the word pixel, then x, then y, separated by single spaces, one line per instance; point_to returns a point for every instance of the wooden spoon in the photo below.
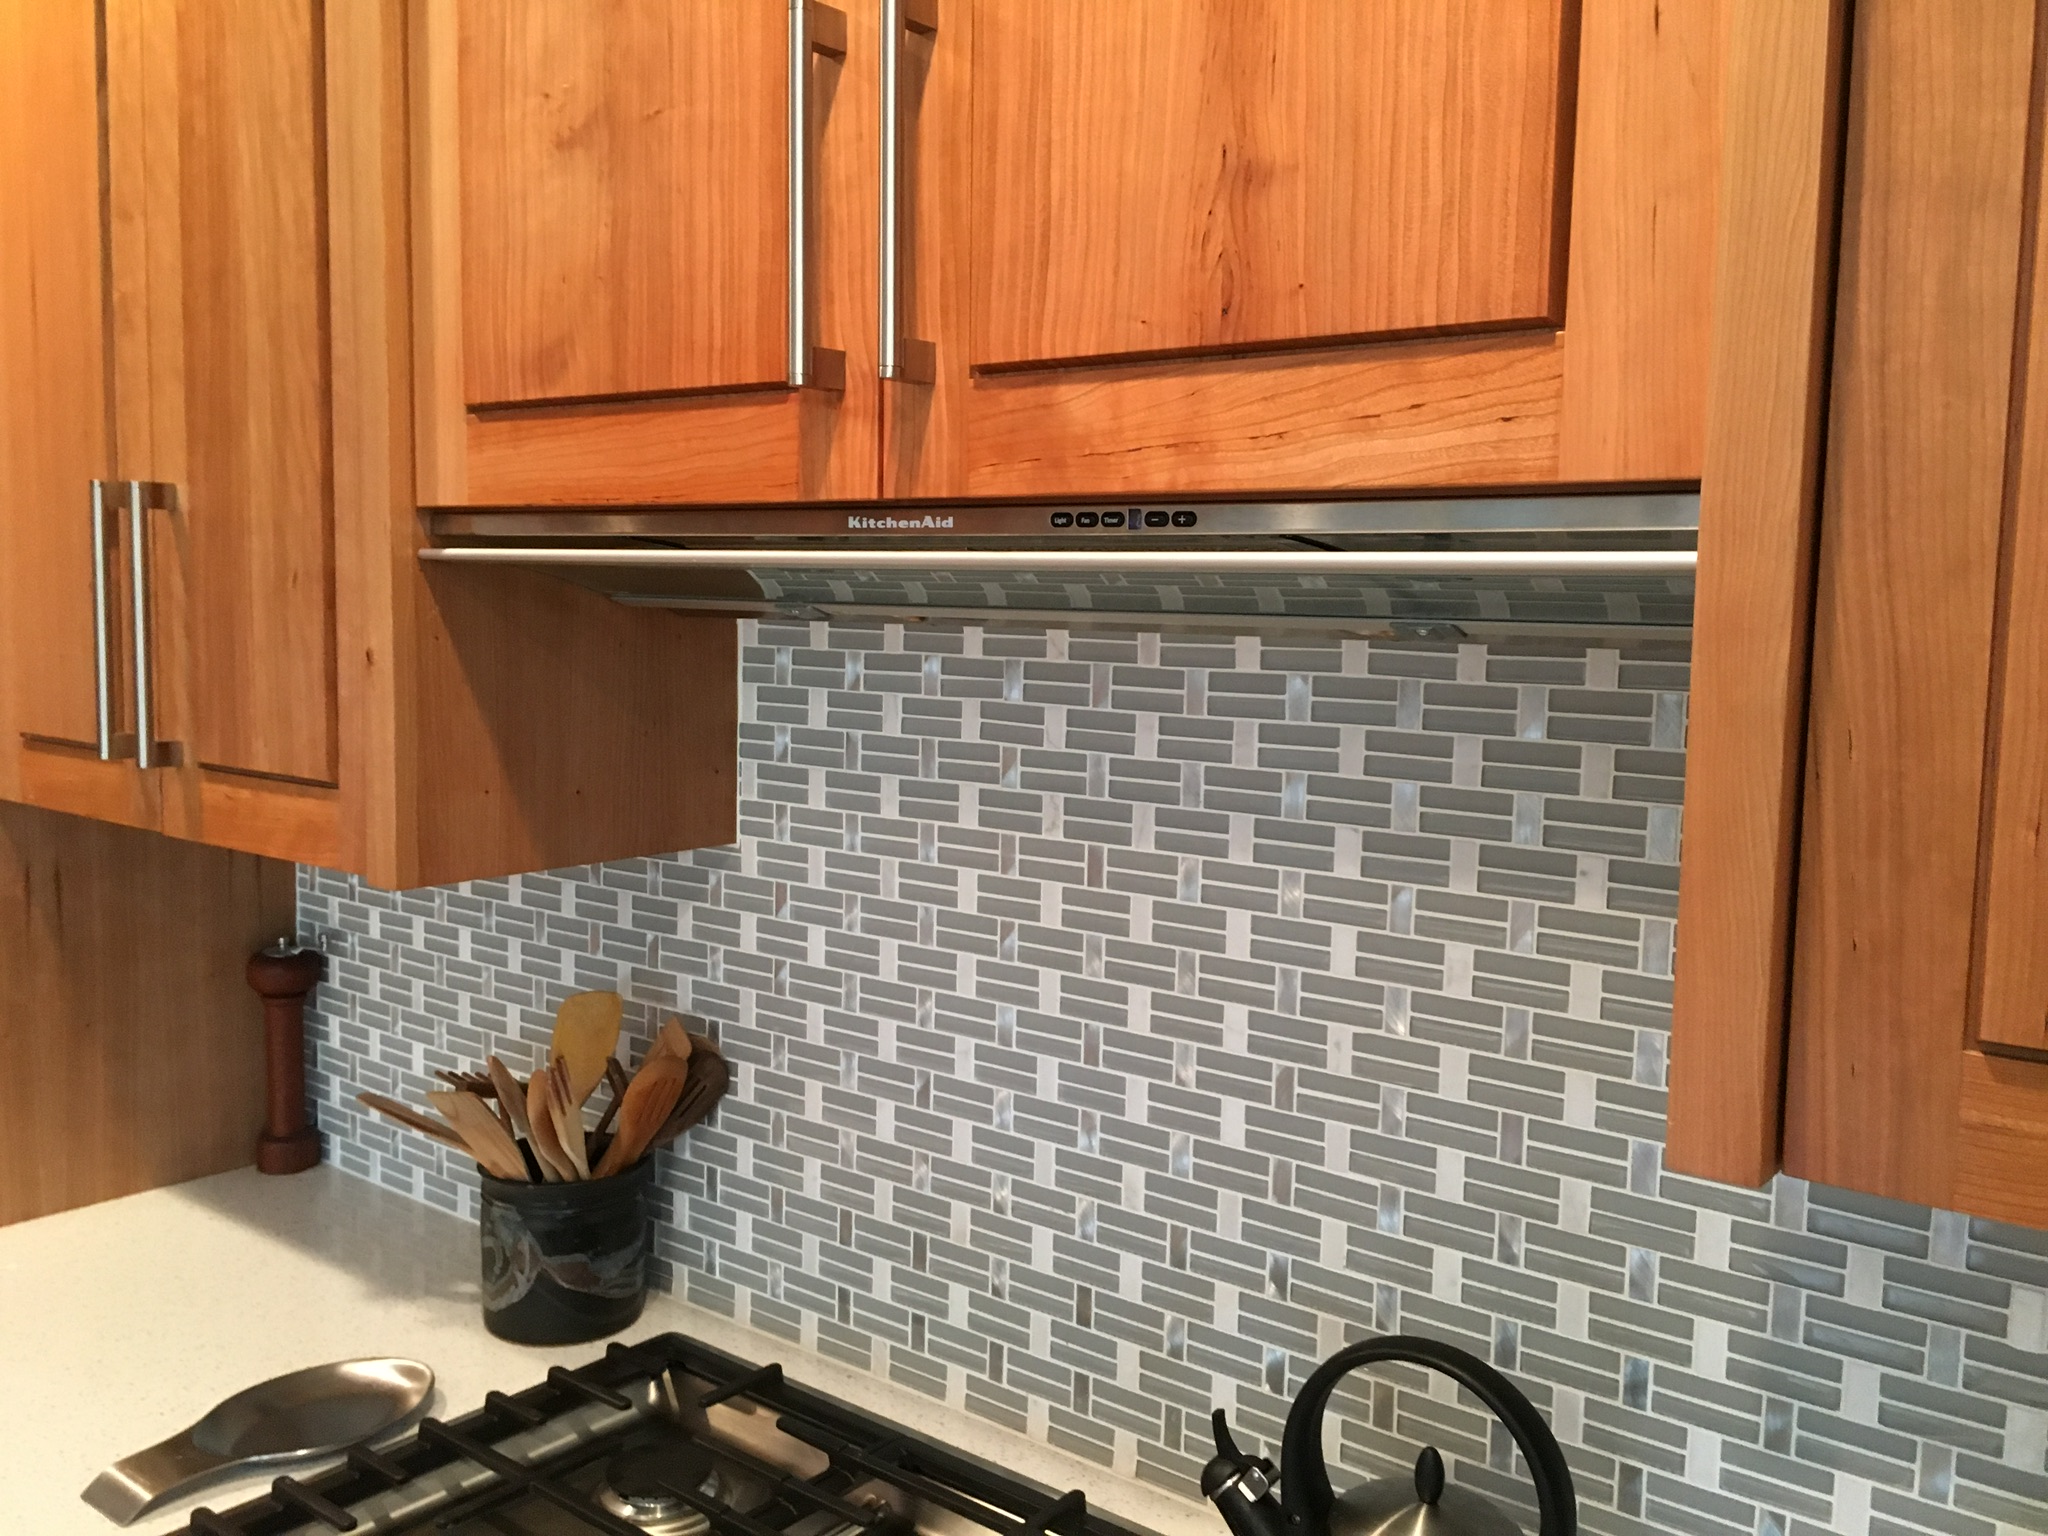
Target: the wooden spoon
pixel 547 1146
pixel 411 1118
pixel 649 1098
pixel 567 1113
pixel 586 1035
pixel 615 1079
pixel 475 1124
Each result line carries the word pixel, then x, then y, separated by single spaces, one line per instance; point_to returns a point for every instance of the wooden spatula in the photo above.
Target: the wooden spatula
pixel 477 1126
pixel 411 1118
pixel 672 1040
pixel 586 1034
pixel 649 1097
pixel 706 1085
pixel 555 1166
pixel 567 1113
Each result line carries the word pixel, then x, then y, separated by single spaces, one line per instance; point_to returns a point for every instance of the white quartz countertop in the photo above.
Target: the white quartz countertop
pixel 121 1323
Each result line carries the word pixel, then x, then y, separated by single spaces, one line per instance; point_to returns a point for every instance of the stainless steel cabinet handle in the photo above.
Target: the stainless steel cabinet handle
pixel 145 496
pixel 902 357
pixel 813 28
pixel 102 636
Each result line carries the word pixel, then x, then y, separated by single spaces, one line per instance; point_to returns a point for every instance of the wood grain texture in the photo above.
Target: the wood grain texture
pixel 54 436
pixel 623 192
pixel 566 728
pixel 1752 620
pixel 1648 169
pixel 763 443
pixel 1915 472
pixel 238 219
pixel 1184 176
pixel 1278 422
pixel 147 1070
pixel 2012 962
pixel 1478 411
pixel 2001 1140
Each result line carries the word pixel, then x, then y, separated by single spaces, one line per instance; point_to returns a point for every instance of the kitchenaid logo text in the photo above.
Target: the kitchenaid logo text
pixel 929 520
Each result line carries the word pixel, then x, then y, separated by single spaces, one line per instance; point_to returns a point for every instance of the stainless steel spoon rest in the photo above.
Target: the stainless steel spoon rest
pixel 314 1412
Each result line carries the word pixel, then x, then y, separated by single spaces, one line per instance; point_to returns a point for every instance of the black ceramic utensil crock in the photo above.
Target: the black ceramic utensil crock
pixel 1242 1486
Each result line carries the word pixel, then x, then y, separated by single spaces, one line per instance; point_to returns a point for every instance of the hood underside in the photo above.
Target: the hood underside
pixel 1617 565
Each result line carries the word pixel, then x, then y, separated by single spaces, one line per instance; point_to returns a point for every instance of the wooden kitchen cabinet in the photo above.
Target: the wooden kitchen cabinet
pixel 1911 1034
pixel 1157 247
pixel 610 259
pixel 205 288
pixel 1219 246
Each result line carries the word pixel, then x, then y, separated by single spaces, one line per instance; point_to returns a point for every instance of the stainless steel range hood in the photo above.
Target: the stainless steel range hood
pixel 1439 568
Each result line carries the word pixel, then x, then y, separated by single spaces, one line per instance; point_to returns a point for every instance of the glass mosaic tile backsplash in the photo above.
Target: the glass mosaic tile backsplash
pixel 1122 1022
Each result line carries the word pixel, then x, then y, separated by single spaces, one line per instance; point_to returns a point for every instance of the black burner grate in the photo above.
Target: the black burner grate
pixel 860 1448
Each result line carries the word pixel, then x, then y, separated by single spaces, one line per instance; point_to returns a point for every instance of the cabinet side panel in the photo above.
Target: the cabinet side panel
pixel 133 1043
pixel 557 727
pixel 1753 614
pixel 1915 468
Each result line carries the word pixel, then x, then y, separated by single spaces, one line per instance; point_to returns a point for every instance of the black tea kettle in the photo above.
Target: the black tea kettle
pixel 1241 1486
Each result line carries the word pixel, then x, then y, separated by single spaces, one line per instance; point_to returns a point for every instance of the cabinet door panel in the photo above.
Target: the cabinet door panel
pixel 624 207
pixel 1185 176
pixel 601 266
pixel 221 362
pixel 54 429
pixel 1220 246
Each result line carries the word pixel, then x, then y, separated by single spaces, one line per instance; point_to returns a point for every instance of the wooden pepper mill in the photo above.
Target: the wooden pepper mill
pixel 282 975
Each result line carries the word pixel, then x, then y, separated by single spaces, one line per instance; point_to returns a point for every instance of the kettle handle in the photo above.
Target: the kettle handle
pixel 1305 1480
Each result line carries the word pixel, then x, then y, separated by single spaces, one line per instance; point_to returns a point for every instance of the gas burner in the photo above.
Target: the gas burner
pixel 640 1487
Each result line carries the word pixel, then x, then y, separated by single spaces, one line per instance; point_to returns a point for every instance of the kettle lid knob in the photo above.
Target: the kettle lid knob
pixel 1429 1475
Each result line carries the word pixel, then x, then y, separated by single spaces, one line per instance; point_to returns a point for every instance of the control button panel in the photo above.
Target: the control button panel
pixel 1134 518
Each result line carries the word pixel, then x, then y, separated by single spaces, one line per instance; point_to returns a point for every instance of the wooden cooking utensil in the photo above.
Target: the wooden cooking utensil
pixel 672 1040
pixel 475 1124
pixel 567 1112
pixel 586 1035
pixel 511 1097
pixel 615 1078
pixel 478 1083
pixel 705 1086
pixel 554 1163
pixel 649 1098
pixel 411 1118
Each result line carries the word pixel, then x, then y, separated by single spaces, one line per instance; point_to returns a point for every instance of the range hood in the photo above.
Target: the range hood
pixel 1428 568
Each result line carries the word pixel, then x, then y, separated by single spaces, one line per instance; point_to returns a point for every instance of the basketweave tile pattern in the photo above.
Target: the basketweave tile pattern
pixel 1122 1022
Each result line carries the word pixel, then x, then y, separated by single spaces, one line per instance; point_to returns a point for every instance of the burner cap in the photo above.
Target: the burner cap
pixel 639 1485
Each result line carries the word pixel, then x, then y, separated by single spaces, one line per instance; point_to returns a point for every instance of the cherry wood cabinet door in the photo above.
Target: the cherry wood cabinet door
pixel 615 246
pixel 1231 245
pixel 221 375
pixel 1915 1062
pixel 55 428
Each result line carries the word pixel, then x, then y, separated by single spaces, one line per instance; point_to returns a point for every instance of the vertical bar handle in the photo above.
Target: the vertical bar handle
pixel 145 496
pixel 902 357
pixel 813 28
pixel 102 632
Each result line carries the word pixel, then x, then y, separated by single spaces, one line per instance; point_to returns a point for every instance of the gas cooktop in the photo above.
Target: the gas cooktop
pixel 669 1437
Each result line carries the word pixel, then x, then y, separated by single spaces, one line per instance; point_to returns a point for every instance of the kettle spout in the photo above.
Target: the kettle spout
pixel 1241 1487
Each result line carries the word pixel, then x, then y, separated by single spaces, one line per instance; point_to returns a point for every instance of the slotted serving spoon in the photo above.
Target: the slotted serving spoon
pixel 314 1412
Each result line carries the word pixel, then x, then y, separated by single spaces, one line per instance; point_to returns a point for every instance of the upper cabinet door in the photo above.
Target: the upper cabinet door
pixel 646 250
pixel 55 431
pixel 1189 245
pixel 221 371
